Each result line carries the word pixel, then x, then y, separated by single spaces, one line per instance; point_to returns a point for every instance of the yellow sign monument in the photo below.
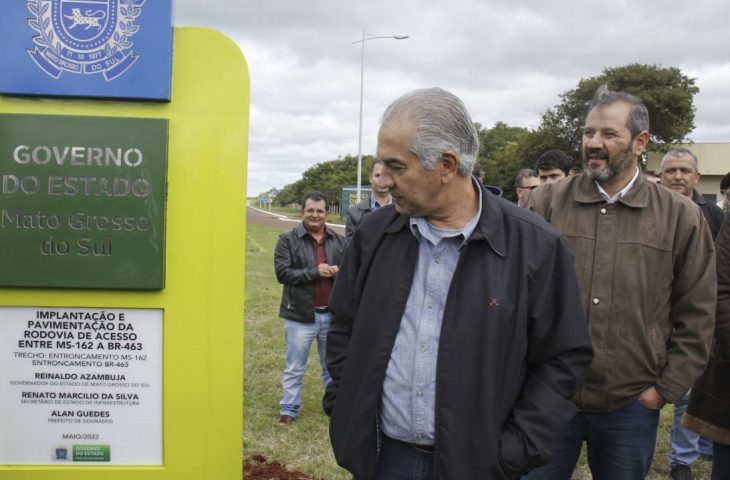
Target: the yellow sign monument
pixel 131 383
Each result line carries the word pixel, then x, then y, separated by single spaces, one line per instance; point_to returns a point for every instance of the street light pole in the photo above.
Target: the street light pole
pixel 362 83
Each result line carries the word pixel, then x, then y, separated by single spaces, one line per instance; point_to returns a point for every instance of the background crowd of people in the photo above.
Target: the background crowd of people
pixel 464 336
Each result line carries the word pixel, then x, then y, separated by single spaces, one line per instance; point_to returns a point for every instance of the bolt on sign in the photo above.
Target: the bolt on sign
pixel 82 201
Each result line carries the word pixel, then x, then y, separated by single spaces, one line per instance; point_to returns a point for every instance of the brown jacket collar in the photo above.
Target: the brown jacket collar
pixel 587 192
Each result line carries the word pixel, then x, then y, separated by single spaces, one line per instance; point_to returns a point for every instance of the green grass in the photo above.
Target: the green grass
pixel 305 445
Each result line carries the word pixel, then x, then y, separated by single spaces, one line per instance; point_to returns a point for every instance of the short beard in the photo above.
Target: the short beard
pixel 614 166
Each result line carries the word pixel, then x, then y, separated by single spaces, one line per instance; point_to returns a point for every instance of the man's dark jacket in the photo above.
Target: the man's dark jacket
pixel 295 262
pixel 355 214
pixel 514 343
pixel 712 213
pixel 708 410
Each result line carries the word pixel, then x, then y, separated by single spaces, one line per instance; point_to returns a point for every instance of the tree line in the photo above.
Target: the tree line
pixel 667 92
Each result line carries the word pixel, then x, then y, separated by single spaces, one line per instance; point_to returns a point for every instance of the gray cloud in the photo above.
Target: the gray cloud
pixel 509 61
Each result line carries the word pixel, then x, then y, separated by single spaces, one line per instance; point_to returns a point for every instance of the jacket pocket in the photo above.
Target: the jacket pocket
pixel 288 299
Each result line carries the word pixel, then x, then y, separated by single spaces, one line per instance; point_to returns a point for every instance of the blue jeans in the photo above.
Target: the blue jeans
pixel 402 461
pixel 720 461
pixel 620 445
pixel 685 444
pixel 299 338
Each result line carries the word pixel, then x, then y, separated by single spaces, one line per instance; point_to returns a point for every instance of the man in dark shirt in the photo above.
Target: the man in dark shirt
pixel 680 172
pixel 379 197
pixel 525 181
pixel 306 261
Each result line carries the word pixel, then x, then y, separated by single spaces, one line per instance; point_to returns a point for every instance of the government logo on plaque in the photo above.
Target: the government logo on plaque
pixel 84 37
pixel 87 48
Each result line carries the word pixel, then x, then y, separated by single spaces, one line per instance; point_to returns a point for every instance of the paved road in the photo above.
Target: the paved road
pixel 262 217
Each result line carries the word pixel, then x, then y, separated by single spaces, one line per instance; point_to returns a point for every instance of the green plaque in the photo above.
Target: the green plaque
pixel 82 201
pixel 91 453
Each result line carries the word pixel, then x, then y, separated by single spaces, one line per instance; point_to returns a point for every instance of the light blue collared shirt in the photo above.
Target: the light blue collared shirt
pixel 409 389
pixel 374 204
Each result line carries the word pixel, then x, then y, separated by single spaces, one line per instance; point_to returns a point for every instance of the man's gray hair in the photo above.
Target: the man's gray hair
pixel 523 174
pixel 442 123
pixel 681 152
pixel 638 116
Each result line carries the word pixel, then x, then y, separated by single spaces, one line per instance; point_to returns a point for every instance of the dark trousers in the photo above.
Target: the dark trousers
pixel 620 445
pixel 403 461
pixel 720 461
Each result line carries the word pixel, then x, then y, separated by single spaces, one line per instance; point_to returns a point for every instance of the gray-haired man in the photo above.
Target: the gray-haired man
pixel 457 337
pixel 525 181
pixel 680 172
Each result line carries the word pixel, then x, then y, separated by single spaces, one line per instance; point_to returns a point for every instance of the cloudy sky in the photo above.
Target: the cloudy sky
pixel 507 60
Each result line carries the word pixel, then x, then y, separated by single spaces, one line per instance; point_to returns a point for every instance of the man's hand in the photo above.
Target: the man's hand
pixel 327 271
pixel 651 398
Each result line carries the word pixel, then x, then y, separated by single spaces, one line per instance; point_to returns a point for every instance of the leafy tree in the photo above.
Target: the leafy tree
pixel 327 177
pixel 551 133
pixel 667 93
pixel 272 192
pixel 501 168
pixel 291 194
pixel 499 157
pixel 499 136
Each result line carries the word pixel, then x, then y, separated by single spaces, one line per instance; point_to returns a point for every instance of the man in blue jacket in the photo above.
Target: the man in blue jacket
pixel 457 336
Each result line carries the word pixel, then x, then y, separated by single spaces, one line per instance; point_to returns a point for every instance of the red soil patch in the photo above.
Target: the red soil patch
pixel 257 468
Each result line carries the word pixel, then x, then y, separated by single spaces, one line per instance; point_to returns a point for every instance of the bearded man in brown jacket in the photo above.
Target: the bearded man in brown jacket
pixel 645 262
